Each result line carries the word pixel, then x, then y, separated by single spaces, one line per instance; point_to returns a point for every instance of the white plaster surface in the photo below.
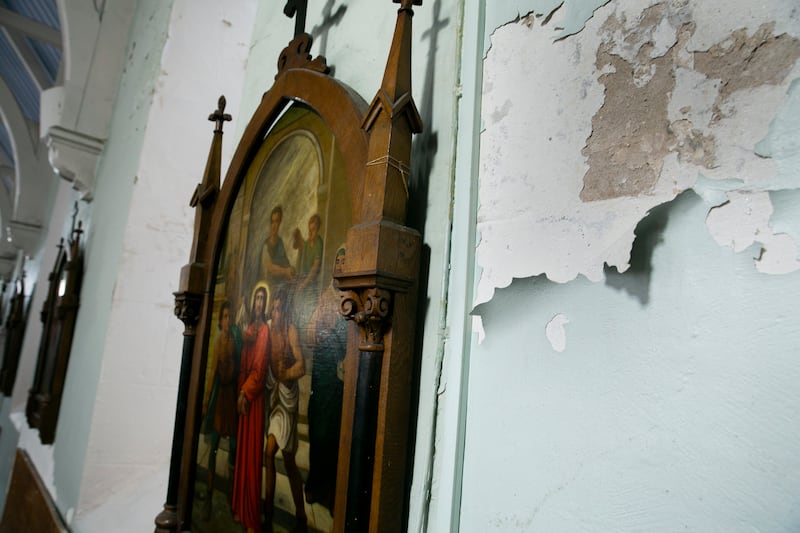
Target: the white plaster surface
pixel 204 56
pixel 743 221
pixel 103 237
pixel 539 98
pixel 557 333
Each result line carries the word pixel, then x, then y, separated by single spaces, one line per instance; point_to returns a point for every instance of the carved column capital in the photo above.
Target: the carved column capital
pixel 187 309
pixel 371 310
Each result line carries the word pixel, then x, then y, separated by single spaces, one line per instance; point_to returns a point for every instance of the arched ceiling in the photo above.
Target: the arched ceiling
pixel 30 58
pixel 30 55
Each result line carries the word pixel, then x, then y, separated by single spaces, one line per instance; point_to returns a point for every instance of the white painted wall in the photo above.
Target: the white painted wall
pixel 204 55
pixel 14 425
pixel 662 398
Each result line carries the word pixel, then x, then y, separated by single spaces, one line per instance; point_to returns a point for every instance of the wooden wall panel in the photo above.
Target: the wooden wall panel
pixel 28 506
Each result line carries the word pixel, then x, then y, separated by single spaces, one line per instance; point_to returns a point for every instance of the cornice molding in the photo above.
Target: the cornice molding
pixel 73 156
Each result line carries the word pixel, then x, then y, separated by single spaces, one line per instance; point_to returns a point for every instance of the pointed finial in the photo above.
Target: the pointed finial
pixel 406 4
pixel 219 116
pixel 298 10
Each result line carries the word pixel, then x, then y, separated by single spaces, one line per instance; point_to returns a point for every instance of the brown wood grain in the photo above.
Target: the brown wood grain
pixel 28 505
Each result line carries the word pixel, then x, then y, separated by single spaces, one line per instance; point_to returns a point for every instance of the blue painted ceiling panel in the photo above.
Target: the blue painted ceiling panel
pixel 5 143
pixel 19 82
pixel 46 12
pixel 13 71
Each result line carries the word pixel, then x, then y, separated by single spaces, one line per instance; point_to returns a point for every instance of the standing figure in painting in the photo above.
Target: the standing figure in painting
pixel 310 253
pixel 327 330
pixel 309 260
pixel 275 265
pixel 250 404
pixel 221 409
pixel 286 366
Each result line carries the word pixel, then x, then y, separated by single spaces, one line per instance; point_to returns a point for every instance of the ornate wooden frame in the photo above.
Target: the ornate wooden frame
pixel 58 315
pixel 378 281
pixel 15 333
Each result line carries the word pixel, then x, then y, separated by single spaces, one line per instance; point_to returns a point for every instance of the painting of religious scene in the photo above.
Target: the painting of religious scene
pixel 269 436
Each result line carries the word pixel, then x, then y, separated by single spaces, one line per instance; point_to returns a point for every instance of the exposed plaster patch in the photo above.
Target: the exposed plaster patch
pixel 630 133
pixel 642 64
pixel 745 61
pixel 556 333
pixel 622 118
pixel 692 145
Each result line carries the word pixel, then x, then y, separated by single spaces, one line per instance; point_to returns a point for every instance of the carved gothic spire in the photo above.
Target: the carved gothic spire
pixel 391 120
pixel 207 190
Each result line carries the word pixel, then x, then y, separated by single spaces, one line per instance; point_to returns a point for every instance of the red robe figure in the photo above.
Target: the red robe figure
pixel 247 479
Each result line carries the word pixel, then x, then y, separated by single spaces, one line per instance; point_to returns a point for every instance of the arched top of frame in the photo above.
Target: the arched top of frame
pixel 303 80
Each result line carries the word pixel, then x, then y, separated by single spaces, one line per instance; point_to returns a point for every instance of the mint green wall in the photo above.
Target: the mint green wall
pixel 673 406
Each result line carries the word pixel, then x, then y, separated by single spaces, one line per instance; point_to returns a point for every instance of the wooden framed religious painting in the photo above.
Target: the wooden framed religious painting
pixel 274 376
pixel 15 333
pixel 298 304
pixel 58 317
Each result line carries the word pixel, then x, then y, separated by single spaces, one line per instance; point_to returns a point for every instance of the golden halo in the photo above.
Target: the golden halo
pixel 259 285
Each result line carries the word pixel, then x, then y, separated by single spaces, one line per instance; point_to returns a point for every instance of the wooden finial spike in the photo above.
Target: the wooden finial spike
pixel 406 4
pixel 297 9
pixel 219 116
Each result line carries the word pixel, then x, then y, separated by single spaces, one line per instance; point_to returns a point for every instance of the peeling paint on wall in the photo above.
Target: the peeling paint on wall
pixel 573 15
pixel 584 135
pixel 556 334
pixel 744 221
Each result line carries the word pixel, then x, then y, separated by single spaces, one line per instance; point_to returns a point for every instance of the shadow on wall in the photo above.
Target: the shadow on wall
pixel 635 281
pixel 423 150
pixel 330 18
pixel 649 234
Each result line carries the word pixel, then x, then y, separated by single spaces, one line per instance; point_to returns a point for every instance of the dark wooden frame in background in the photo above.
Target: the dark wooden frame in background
pixel 378 282
pixel 15 334
pixel 58 315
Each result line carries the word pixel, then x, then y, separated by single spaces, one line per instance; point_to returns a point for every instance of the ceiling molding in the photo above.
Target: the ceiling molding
pixel 73 156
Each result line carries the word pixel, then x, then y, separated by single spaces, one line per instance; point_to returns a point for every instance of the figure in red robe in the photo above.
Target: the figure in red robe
pixel 247 477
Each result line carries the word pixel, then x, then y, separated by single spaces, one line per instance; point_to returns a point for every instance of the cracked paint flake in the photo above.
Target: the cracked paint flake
pixel 584 135
pixel 556 333
pixel 572 15
pixel 744 221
